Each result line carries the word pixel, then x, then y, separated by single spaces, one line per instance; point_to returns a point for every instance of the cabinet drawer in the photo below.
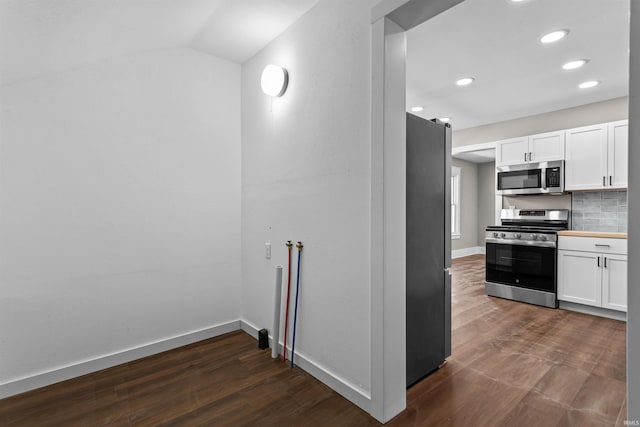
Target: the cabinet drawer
pixel 593 244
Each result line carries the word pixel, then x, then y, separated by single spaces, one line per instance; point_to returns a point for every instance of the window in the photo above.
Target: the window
pixel 455 202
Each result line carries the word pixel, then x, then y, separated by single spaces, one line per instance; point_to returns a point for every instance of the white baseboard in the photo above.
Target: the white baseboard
pixel 595 311
pixel 353 393
pixel 459 253
pixel 349 391
pixel 32 382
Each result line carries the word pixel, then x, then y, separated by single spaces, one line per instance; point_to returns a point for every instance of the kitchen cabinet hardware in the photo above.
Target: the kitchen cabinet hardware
pixel 604 181
pixel 610 180
pixel 602 245
pixel 605 262
pixel 598 261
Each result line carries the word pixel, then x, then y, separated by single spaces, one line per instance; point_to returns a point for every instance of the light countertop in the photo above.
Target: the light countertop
pixel 576 233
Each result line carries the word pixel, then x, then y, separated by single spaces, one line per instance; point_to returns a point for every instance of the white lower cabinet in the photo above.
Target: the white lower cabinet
pixel 579 278
pixel 614 282
pixel 597 278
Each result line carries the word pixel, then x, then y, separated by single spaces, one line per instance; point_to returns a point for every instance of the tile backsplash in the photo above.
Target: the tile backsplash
pixel 599 211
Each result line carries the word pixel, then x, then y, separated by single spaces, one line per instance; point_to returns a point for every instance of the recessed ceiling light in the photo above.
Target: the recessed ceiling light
pixel 572 65
pixel 417 109
pixel 553 36
pixel 445 119
pixel 465 81
pixel 589 84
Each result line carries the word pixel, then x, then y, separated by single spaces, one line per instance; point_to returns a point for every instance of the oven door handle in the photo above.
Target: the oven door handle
pixel 510 258
pixel 537 243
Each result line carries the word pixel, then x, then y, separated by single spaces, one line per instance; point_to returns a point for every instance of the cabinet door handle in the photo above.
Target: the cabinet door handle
pixel 605 262
pixel 604 181
pixel 610 180
pixel 598 261
pixel 525 157
pixel 602 245
pixel 530 154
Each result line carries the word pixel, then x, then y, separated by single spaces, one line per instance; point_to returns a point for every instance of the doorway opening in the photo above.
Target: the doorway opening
pixel 383 158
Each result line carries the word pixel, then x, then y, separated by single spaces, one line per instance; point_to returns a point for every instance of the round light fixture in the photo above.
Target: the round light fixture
pixel 465 81
pixel 417 109
pixel 572 65
pixel 589 84
pixel 553 36
pixel 445 119
pixel 274 80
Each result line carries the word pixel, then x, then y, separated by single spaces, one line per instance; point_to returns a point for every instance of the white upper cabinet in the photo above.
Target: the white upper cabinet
pixel 546 147
pixel 596 157
pixel 586 158
pixel 535 148
pixel 512 151
pixel 617 154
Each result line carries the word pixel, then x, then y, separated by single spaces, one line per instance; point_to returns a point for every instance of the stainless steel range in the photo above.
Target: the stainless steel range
pixel 522 255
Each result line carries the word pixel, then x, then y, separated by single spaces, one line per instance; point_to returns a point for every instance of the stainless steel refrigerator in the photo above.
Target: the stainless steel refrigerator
pixel 428 246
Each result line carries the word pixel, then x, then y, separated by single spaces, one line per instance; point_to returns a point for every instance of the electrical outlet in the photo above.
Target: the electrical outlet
pixel 267 250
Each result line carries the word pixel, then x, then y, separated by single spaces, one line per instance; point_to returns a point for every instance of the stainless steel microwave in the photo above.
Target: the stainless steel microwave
pixel 531 178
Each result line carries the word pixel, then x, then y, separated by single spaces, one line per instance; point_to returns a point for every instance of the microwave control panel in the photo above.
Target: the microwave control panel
pixel 553 177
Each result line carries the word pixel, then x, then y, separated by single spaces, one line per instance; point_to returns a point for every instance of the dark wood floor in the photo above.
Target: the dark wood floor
pixel 516 364
pixel 512 364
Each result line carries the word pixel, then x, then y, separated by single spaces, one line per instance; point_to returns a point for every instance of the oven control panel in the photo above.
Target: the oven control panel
pixel 518 237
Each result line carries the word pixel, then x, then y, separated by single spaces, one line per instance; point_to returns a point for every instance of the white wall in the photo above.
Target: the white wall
pixel 306 176
pixel 477 205
pixel 120 208
pixel 538 201
pixel 468 205
pixel 588 114
pixel 486 198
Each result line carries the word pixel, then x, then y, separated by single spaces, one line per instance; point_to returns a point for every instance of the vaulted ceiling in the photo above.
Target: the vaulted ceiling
pixel 495 41
pixel 44 36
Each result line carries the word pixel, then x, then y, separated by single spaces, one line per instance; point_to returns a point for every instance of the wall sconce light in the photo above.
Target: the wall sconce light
pixel 274 80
